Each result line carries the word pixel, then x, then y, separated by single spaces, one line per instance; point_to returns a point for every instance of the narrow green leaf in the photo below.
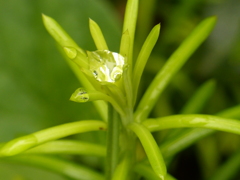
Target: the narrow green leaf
pixel 57 165
pixel 60 36
pixel 172 146
pixel 188 137
pixel 185 137
pixel 233 112
pixel 122 169
pixel 147 172
pixel 78 58
pixel 129 25
pixel 97 35
pixel 174 63
pixel 101 106
pixel 143 57
pixel 201 96
pixel 81 96
pixel 229 169
pixel 125 50
pixel 193 120
pixel 21 144
pixel 68 147
pixel 151 148
pixel 127 73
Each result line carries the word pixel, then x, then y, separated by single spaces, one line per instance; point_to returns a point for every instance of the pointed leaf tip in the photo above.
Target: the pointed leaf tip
pixel 59 34
pixel 46 19
pixel 97 35
pixel 161 177
pixel 158 26
pixel 172 66
pixel 90 20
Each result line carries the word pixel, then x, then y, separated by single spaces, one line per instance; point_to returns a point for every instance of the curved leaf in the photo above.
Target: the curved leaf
pixel 174 63
pixel 193 120
pixel 21 144
pixel 152 150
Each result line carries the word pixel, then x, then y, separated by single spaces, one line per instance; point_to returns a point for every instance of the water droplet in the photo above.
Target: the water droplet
pixel 80 95
pixel 95 74
pixel 106 66
pixel 70 52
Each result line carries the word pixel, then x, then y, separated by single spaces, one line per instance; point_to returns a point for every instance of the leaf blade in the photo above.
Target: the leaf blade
pixel 194 120
pixel 174 63
pixel 151 148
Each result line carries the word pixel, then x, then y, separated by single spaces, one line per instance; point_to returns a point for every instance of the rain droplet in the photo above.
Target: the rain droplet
pixel 80 95
pixel 70 52
pixel 106 66
pixel 95 73
pixel 116 73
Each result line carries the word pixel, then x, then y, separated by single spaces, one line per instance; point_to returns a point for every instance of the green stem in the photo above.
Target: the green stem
pixel 112 142
pixel 122 170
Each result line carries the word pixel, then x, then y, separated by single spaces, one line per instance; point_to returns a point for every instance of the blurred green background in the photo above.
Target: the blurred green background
pixel 36 83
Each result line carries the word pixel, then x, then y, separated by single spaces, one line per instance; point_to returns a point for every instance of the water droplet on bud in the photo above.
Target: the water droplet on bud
pixel 80 95
pixel 106 66
pixel 70 52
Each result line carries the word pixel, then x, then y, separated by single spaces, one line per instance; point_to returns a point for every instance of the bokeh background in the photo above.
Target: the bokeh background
pixel 36 83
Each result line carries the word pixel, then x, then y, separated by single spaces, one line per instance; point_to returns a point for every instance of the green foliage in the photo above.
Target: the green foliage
pixel 36 85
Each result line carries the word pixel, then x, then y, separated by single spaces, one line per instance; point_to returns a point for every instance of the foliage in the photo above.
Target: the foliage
pixel 130 150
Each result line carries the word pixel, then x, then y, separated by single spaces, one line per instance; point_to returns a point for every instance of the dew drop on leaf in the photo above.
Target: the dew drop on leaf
pixel 70 52
pixel 106 66
pixel 80 95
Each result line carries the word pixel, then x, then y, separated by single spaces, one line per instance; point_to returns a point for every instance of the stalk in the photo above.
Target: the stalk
pixel 121 145
pixel 112 142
